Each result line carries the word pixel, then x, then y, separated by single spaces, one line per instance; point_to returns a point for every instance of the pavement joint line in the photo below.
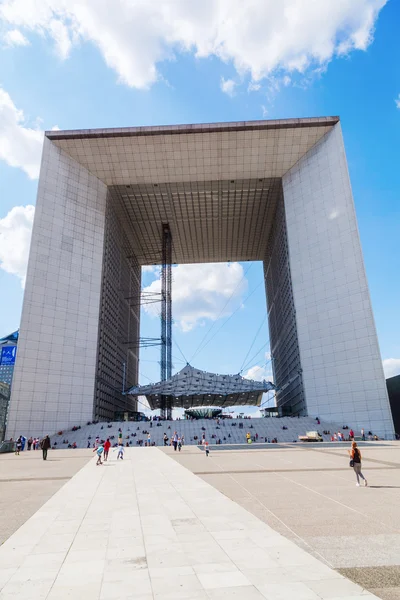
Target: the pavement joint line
pixel 282 523
pixel 345 479
pixel 323 560
pixel 374 460
pixel 256 471
pixel 333 499
pixel 83 518
pixel 141 524
pixel 178 494
pixel 279 474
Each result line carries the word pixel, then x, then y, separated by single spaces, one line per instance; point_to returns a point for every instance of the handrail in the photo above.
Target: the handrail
pixel 7 446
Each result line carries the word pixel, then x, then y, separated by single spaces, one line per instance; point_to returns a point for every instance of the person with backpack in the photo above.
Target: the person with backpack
pixel 355 462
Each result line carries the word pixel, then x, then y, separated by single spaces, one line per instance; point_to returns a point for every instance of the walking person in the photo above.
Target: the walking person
pixel 363 434
pixel 99 450
pixel 18 446
pixel 175 440
pixel 107 446
pixel 120 452
pixel 30 442
pixel 165 439
pixel 355 462
pixel 179 444
pixel 45 444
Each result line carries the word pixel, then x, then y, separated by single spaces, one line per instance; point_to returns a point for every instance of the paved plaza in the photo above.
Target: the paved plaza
pixel 308 494
pixel 27 482
pixel 149 528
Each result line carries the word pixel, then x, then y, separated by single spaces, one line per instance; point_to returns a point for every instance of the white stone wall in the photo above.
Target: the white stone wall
pixel 53 383
pixel 340 357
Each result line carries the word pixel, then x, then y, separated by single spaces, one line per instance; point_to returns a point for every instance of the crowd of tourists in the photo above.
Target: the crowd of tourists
pixel 102 447
pixel 339 436
pixel 177 441
pixel 31 443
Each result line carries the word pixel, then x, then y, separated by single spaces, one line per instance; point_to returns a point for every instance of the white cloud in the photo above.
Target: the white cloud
pixel 259 37
pixel 259 373
pixel 201 292
pixel 397 101
pixel 253 86
pixel 15 239
pixel 20 146
pixel 391 367
pixel 264 111
pixel 15 38
pixel 228 86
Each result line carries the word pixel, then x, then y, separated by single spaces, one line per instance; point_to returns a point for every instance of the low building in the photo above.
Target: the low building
pixel 8 353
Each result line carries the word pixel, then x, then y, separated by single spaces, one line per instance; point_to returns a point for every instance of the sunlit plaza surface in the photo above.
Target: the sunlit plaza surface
pixel 283 523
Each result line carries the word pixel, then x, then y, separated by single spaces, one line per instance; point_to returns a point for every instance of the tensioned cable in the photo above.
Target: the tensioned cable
pixel 179 348
pixel 247 365
pixel 267 400
pixel 253 342
pixel 145 376
pixel 175 358
pixel 221 311
pixel 227 320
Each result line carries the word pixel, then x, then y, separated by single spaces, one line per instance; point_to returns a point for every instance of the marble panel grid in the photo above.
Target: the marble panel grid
pixel 53 385
pixel 342 369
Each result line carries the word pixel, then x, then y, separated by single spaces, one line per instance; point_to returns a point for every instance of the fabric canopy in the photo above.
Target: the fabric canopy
pixel 192 387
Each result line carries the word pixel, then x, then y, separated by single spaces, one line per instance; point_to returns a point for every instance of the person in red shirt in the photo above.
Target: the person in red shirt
pixel 107 447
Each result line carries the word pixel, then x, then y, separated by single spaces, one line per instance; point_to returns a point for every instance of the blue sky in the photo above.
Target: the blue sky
pixel 181 62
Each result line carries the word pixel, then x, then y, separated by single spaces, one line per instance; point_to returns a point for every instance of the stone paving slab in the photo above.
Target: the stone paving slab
pixel 27 482
pixel 147 528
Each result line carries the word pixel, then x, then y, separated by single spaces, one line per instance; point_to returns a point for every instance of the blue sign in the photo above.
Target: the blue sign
pixel 8 354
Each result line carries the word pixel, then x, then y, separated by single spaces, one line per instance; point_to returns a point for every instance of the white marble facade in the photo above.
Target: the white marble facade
pixel 340 358
pixel 54 377
pixel 53 382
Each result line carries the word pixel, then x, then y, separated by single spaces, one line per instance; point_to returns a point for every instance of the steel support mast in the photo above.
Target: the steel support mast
pixel 166 315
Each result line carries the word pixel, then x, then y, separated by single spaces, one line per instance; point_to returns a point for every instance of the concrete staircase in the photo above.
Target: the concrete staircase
pixel 229 431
